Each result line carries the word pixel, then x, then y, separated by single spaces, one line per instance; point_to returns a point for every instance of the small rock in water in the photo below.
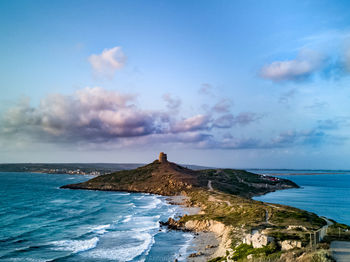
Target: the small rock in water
pixel 196 254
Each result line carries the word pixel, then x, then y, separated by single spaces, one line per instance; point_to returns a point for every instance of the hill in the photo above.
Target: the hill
pixel 167 178
pixel 245 227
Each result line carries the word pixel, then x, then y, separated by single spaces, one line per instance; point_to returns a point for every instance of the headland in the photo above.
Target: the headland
pixel 220 203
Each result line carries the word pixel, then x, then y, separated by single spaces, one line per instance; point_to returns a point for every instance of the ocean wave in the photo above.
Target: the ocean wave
pixel 156 202
pixel 174 211
pixel 130 204
pixel 139 197
pixel 146 226
pixel 101 229
pixel 123 194
pixel 183 250
pixel 59 201
pixel 75 245
pixel 77 215
pixel 127 219
pixel 26 259
pixel 142 223
pixel 124 253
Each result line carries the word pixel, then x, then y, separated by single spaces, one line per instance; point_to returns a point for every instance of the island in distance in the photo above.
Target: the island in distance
pixel 246 229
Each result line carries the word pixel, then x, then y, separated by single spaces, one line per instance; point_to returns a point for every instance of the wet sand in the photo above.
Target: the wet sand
pixel 205 244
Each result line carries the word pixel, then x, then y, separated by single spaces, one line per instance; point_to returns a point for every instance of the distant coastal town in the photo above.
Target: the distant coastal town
pixel 96 169
pixel 71 172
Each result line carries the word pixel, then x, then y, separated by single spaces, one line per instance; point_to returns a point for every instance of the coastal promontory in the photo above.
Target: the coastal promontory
pixel 247 230
pixel 166 178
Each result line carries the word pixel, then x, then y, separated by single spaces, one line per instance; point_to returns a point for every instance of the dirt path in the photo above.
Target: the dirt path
pixel 209 186
pixel 341 251
pixel 329 223
pixel 212 198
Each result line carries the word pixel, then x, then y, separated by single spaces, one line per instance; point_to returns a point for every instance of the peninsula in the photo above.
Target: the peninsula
pixel 246 229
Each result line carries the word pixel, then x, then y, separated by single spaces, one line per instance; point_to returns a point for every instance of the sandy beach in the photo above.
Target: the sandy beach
pixel 205 244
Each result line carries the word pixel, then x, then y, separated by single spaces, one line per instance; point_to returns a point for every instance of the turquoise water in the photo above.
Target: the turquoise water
pixel 40 222
pixel 324 194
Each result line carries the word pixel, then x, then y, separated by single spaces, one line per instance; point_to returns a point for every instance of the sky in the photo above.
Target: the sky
pixel 241 84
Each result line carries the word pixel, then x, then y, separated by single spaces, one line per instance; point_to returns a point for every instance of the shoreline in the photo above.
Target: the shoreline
pixel 222 214
pixel 205 243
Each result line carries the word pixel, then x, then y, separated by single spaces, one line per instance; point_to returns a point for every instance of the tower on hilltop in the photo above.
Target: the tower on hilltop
pixel 163 157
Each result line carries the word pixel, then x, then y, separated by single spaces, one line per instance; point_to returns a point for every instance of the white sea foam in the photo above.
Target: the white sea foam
pixel 145 223
pixel 183 250
pixel 124 194
pixel 127 219
pixel 140 197
pixel 75 245
pixel 124 253
pixel 153 204
pixel 172 212
pixel 101 229
pixel 26 259
pixel 131 204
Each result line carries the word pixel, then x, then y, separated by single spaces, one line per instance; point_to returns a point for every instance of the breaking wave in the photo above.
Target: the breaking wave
pixel 75 245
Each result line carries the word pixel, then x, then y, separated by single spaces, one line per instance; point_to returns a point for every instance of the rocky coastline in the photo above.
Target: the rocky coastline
pixel 227 224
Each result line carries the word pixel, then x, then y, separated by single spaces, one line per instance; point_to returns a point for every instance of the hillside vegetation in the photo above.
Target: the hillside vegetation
pixel 171 179
pixel 223 196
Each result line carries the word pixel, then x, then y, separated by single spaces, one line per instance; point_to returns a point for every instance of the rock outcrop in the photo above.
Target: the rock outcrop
pixel 257 239
pixel 290 244
pixel 221 231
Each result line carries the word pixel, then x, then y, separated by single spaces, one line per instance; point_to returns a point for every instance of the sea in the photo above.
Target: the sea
pixel 41 222
pixel 324 192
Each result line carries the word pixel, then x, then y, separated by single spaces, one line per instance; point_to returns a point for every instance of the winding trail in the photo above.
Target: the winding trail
pixel 212 198
pixel 210 186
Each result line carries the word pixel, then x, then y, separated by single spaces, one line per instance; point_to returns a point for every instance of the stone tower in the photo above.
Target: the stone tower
pixel 162 157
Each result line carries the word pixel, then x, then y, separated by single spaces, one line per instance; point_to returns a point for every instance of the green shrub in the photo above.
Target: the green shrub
pixel 243 250
pixel 217 259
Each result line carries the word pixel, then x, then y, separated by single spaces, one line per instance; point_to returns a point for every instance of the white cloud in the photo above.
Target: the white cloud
pixel 96 116
pixel 172 103
pixel 306 63
pixel 198 122
pixel 91 114
pixel 242 119
pixel 109 61
pixel 223 106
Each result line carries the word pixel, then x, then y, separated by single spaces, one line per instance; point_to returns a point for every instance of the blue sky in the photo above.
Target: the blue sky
pixel 220 83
